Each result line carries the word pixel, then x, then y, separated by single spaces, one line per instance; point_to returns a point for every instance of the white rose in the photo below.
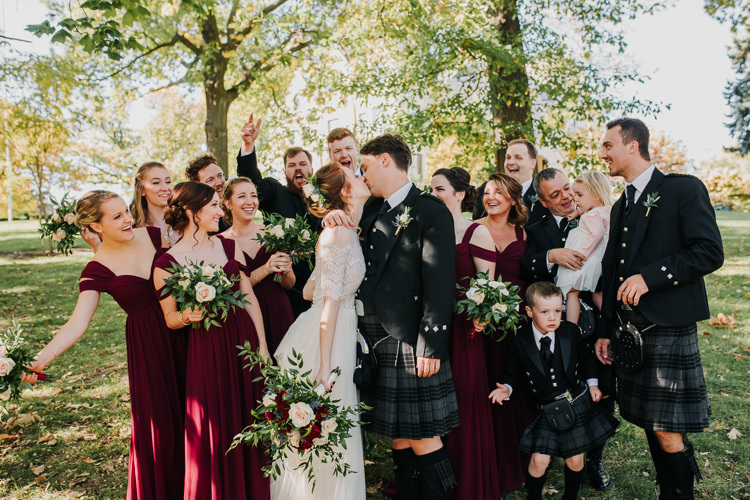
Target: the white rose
pixel 59 235
pixel 269 399
pixel 55 217
pixel 328 426
pixel 470 293
pixel 294 438
pixel 184 283
pixel 321 441
pixel 207 271
pixel 478 297
pixel 504 291
pixel 481 281
pixel 308 189
pixel 499 307
pixel 226 281
pixel 305 235
pixel 288 222
pixel 315 197
pixel 495 284
pixel 6 366
pixel 70 218
pixel 301 414
pixel 3 351
pixel 278 231
pixel 204 292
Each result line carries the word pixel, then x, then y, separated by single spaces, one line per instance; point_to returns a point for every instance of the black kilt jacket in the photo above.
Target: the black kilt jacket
pixel 542 235
pixel 413 289
pixel 673 246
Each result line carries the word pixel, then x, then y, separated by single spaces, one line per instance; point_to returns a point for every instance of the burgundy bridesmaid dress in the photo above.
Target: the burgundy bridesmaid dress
pixel 471 445
pixel 273 302
pixel 156 375
pixel 512 417
pixel 220 395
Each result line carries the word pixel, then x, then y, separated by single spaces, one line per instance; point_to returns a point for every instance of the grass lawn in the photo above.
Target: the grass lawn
pixel 69 438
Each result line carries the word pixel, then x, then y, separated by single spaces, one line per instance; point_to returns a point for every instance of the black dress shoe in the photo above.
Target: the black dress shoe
pixel 599 478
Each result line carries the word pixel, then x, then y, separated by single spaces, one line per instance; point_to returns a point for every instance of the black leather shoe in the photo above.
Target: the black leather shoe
pixel 599 478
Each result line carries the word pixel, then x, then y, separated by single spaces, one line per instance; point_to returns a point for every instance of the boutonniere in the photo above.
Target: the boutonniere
pixel 403 220
pixel 573 223
pixel 651 202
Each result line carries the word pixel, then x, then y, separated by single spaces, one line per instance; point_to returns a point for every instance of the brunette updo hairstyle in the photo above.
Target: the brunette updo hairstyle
pixel 511 189
pixel 187 196
pixel 460 180
pixel 139 206
pixel 228 192
pixel 331 179
pixel 88 208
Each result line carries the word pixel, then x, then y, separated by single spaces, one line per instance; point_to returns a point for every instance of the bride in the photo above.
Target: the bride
pixel 325 335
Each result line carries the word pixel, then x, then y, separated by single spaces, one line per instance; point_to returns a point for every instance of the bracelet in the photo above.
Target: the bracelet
pixel 181 320
pixel 253 276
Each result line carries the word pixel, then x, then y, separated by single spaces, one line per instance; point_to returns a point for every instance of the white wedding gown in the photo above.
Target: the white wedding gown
pixel 339 269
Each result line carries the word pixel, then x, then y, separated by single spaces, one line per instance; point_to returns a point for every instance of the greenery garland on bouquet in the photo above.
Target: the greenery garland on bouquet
pixel 291 236
pixel 203 286
pixel 14 356
pixel 297 417
pixel 492 302
pixel 60 226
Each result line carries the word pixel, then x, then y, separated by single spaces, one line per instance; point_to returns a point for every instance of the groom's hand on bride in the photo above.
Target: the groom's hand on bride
pixel 337 218
pixel 427 367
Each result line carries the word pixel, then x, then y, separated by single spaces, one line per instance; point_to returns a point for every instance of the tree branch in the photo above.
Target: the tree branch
pixel 170 43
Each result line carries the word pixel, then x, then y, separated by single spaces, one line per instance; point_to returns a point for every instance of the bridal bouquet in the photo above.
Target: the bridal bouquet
pixel 14 355
pixel 291 236
pixel 491 301
pixel 203 286
pixel 60 225
pixel 297 417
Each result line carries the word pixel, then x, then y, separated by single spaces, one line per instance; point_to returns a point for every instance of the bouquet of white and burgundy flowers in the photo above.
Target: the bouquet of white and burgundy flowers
pixel 291 236
pixel 59 226
pixel 297 417
pixel 203 286
pixel 492 302
pixel 14 356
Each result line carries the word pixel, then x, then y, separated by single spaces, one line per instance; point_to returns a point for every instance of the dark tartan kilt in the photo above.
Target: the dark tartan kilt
pixel 592 427
pixel 405 406
pixel 669 392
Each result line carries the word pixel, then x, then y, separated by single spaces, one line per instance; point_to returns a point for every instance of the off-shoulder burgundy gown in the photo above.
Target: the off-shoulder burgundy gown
pixel 471 445
pixel 220 394
pixel 156 375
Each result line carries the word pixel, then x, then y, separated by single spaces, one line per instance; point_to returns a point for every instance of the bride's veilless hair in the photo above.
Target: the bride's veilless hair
pixel 88 208
pixel 229 191
pixel 139 206
pixel 331 179
pixel 187 196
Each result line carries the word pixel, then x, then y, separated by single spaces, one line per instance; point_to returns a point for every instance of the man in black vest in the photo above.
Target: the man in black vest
pixel 663 240
pixel 406 302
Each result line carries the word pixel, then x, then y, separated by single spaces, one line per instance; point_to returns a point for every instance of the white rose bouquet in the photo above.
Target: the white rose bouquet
pixel 60 225
pixel 14 356
pixel 491 301
pixel 291 236
pixel 203 286
pixel 297 417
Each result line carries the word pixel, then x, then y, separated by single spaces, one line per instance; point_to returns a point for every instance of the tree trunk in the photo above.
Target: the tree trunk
pixel 217 108
pixel 509 84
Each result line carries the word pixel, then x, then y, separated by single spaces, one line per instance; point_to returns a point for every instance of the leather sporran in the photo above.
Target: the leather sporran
pixel 559 414
pixel 366 369
pixel 627 348
pixel 587 319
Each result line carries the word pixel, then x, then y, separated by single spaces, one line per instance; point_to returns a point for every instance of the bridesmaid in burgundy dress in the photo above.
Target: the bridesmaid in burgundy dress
pixel 122 267
pixel 470 445
pixel 220 393
pixel 506 214
pixel 240 204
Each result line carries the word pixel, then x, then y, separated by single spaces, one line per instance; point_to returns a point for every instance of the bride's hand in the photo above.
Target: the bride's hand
pixel 323 377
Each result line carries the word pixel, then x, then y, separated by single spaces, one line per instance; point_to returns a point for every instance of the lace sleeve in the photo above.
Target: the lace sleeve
pixel 332 259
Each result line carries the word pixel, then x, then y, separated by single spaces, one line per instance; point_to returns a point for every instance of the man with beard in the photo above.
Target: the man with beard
pixel 204 168
pixel 343 149
pixel 285 200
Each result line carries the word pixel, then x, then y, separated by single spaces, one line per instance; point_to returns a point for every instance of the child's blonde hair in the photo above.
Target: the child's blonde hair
pixel 598 184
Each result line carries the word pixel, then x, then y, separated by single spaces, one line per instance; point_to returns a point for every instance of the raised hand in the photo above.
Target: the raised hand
pixel 250 132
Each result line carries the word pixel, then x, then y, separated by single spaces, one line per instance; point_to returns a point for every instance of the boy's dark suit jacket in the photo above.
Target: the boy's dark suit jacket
pixel 415 286
pixel 675 244
pixel 524 363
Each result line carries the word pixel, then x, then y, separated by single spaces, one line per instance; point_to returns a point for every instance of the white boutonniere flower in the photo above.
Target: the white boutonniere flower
pixel 651 202
pixel 403 220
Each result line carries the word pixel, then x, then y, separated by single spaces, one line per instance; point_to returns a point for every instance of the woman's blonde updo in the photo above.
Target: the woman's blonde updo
pixel 331 179
pixel 88 208
pixel 187 196
pixel 139 206
pixel 228 192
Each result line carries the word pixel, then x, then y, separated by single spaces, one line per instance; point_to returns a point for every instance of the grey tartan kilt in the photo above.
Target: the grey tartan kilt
pixel 405 406
pixel 592 427
pixel 669 392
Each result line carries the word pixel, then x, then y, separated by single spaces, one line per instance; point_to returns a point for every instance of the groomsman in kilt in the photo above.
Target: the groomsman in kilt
pixel 663 240
pixel 407 301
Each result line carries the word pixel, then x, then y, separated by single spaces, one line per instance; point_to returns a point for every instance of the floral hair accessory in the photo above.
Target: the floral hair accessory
pixel 313 191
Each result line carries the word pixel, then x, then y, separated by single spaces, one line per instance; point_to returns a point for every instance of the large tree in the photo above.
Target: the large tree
pixel 227 47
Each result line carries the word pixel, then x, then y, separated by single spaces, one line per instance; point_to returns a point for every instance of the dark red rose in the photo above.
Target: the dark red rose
pixel 269 416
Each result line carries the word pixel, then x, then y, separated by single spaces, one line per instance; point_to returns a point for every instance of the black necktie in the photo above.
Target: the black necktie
pixel 630 197
pixel 564 224
pixel 383 209
pixel 545 343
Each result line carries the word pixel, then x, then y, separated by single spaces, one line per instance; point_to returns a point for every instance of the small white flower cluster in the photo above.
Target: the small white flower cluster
pixel 312 190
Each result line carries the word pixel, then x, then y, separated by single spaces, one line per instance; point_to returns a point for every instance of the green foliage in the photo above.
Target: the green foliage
pixel 15 355
pixel 59 226
pixel 291 236
pixel 491 302
pixel 727 178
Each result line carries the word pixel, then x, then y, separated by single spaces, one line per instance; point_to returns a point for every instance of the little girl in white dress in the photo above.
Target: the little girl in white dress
pixel 593 195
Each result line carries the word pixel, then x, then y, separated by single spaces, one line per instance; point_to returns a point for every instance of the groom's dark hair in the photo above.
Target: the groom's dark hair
pixel 394 145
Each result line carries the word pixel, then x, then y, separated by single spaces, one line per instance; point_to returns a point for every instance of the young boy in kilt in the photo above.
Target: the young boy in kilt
pixel 552 357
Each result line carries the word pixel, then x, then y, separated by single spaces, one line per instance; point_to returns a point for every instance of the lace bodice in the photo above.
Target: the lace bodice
pixel 339 266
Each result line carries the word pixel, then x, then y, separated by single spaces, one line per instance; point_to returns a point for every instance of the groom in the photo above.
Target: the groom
pixel 406 305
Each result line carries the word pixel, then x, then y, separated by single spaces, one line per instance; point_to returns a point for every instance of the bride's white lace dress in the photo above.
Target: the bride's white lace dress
pixel 339 269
